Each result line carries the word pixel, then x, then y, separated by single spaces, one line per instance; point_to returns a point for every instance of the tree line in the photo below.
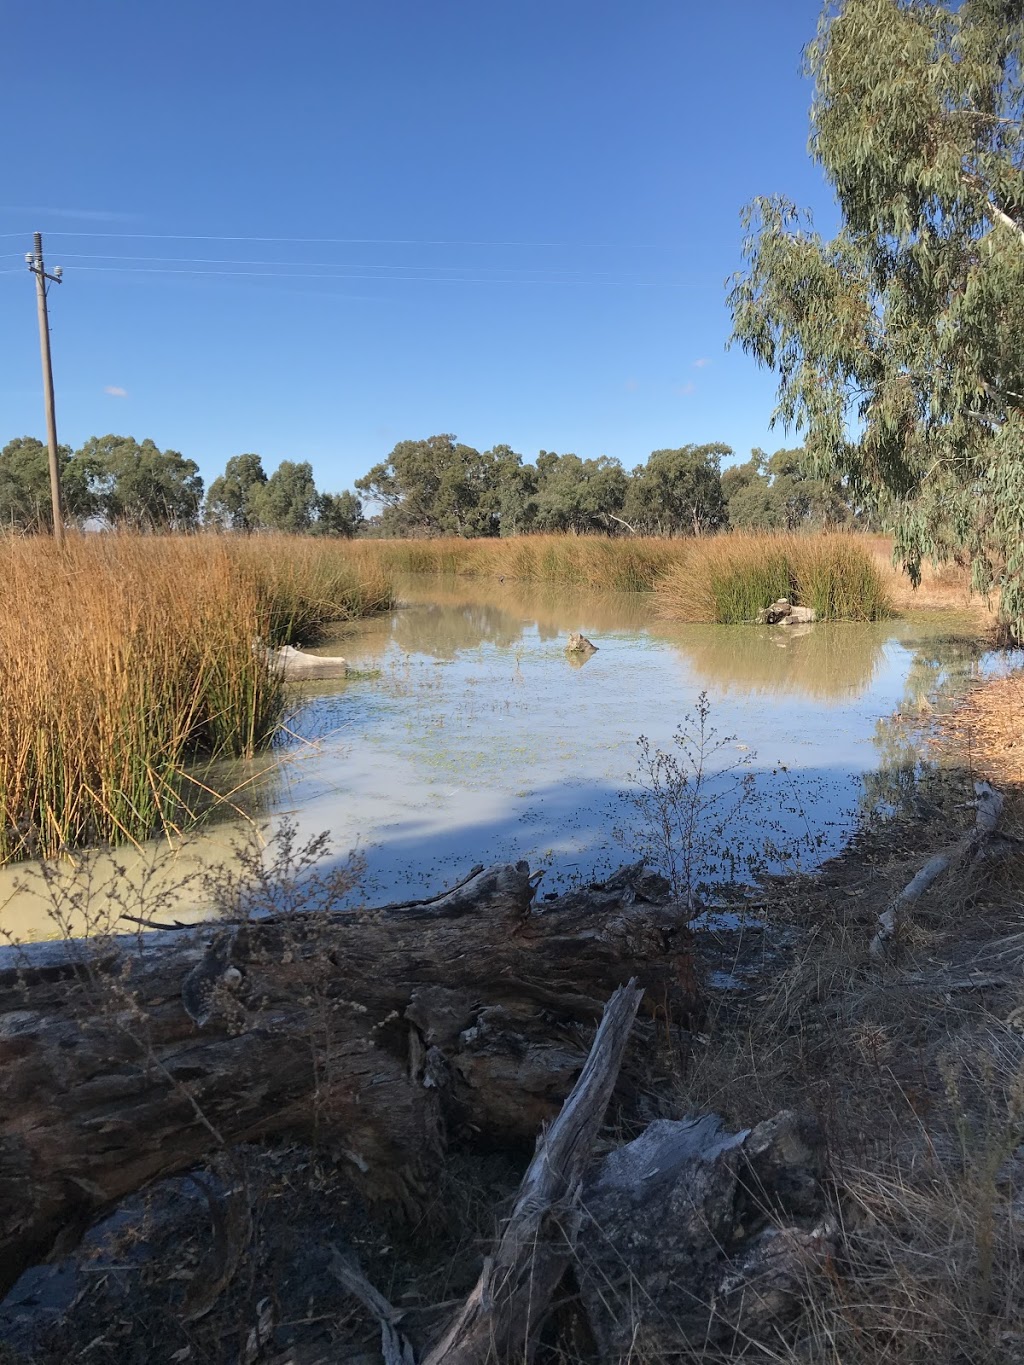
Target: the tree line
pixel 120 482
pixel 432 487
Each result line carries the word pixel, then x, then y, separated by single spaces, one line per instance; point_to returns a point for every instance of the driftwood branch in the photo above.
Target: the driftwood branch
pixel 989 806
pixel 394 1347
pixel 506 1310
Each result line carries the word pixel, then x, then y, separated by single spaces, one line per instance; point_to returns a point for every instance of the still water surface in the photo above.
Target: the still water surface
pixel 481 740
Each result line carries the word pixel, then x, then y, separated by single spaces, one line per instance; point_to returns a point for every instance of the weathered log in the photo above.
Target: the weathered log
pixel 386 1032
pixel 295 665
pixel 695 1236
pixel 502 1317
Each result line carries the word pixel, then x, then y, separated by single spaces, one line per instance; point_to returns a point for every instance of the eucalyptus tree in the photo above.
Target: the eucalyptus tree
pixel 437 486
pixel 338 514
pixel 138 485
pixel 578 495
pixel 231 498
pixel 288 500
pixel 25 484
pixel 678 491
pixel 898 343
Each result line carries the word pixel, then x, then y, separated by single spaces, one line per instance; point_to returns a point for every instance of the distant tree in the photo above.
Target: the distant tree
pixel 578 495
pixel 139 485
pixel 435 487
pixel 783 493
pixel 338 514
pixel 230 498
pixel 678 491
pixel 288 500
pixel 748 495
pixel 515 500
pixel 25 484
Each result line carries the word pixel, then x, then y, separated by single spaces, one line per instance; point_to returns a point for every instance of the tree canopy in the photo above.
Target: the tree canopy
pixel 679 491
pixel 231 498
pixel 781 492
pixel 139 485
pixel 897 343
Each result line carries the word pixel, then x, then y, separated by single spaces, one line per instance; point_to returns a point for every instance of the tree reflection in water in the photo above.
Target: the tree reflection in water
pixel 829 662
pixel 910 776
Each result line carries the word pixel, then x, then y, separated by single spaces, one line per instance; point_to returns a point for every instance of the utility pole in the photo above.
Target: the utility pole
pixel 34 260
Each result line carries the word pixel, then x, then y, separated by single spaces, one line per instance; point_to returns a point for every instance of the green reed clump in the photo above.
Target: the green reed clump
pixel 126 660
pixel 730 578
pixel 840 579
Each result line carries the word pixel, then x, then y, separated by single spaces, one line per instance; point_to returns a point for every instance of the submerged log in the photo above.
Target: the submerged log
pixel 388 1033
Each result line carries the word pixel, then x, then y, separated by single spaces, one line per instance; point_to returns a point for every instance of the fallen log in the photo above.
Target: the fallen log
pixel 693 1236
pixel 687 1238
pixel 386 1033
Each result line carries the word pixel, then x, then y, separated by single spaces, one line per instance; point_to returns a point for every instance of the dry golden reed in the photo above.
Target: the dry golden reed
pixel 599 562
pixel 726 578
pixel 125 659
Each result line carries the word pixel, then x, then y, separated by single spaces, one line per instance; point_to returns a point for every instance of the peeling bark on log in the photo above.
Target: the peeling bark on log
pixel 386 1032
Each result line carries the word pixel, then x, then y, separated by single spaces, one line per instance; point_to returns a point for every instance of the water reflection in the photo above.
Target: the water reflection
pixel 477 740
pixel 941 670
pixel 445 630
pixel 821 662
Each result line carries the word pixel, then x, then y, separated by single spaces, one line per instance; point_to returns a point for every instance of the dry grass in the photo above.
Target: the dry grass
pixel 639 564
pixel 603 562
pixel 914 1068
pixel 730 578
pixel 945 587
pixel 988 727
pixel 126 658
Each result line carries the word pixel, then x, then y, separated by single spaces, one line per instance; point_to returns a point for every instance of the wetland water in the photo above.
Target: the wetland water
pixel 480 740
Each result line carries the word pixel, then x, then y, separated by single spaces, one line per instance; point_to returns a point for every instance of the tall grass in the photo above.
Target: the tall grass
pixel 125 659
pixel 729 578
pixel 623 565
pixel 724 578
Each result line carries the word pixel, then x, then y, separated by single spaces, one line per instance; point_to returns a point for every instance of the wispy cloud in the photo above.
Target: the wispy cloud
pixel 699 364
pixel 686 388
pixel 116 391
pixel 632 385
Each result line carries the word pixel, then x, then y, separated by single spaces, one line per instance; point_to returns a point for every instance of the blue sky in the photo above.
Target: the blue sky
pixel 314 229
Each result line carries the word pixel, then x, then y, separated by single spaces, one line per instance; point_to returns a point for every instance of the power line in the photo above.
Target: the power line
pixel 320 275
pixel 348 241
pixel 327 265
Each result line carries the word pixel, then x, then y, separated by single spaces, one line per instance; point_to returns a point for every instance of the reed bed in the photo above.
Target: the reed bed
pixel 729 578
pixel 127 659
pixel 599 562
pixel 725 578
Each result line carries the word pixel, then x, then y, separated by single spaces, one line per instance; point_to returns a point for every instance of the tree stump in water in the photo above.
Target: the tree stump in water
pixel 388 1033
pixel 579 644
